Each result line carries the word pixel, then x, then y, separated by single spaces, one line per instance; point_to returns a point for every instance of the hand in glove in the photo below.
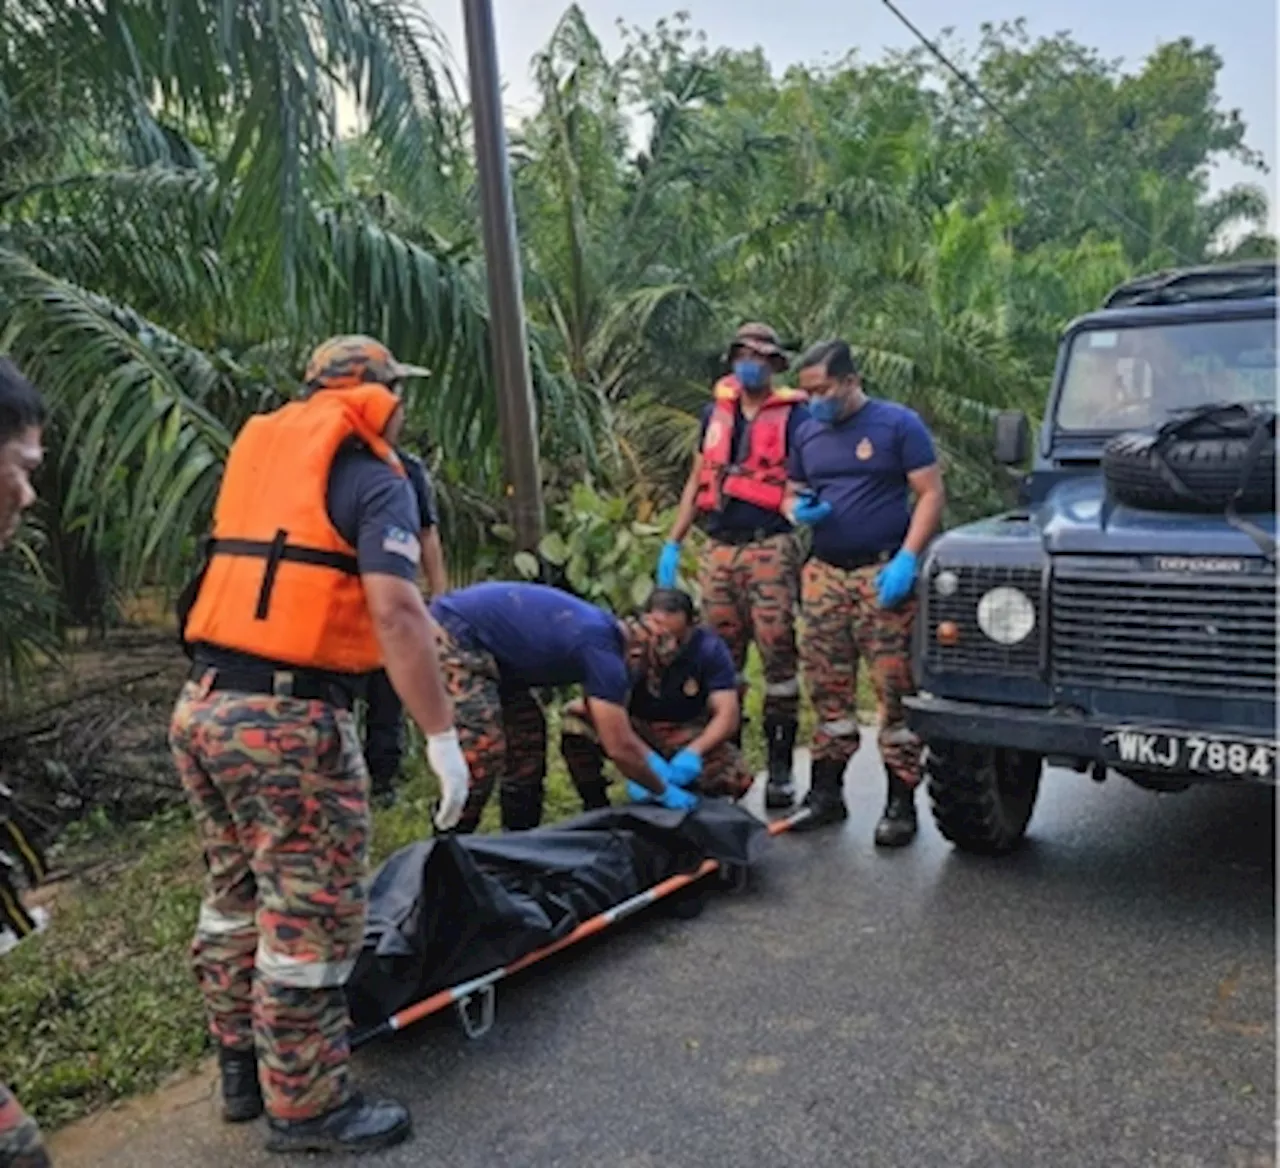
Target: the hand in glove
pixel 450 766
pixel 668 564
pixel 895 580
pixel 684 769
pixel 672 797
pixel 810 510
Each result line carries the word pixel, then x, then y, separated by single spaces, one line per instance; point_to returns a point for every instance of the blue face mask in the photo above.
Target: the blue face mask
pixel 824 409
pixel 751 374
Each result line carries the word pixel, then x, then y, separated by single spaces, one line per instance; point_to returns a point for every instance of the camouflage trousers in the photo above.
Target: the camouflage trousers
pixel 280 796
pixel 503 735
pixel 842 623
pixel 20 1142
pixel 724 772
pixel 749 594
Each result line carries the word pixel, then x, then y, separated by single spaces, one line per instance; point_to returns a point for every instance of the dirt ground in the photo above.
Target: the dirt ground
pixel 86 743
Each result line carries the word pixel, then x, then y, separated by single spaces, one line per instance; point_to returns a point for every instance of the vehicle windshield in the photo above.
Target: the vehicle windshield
pixel 1132 378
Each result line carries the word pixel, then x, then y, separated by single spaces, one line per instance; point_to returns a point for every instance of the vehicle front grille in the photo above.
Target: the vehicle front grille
pixel 976 652
pixel 1161 634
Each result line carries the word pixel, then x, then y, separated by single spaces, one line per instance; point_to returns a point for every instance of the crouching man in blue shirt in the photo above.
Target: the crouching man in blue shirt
pixel 855 463
pixel 687 711
pixel 500 641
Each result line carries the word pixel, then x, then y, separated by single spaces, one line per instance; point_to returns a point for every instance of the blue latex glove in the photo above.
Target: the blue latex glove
pixel 685 768
pixel 895 580
pixel 811 510
pixel 668 563
pixel 673 798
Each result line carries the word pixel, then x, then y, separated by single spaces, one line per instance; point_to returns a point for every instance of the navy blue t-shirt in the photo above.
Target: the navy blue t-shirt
pixel 736 515
pixel 541 636
pixel 374 510
pixel 423 491
pixel 704 667
pixel 860 467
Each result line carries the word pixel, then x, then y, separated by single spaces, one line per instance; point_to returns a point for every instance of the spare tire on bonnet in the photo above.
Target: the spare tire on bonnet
pixel 1200 460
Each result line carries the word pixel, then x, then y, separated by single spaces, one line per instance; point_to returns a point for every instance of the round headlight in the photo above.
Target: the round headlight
pixel 946 583
pixel 1006 615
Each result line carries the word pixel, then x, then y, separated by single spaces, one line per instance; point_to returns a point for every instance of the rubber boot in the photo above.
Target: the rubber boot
pixel 357 1126
pixel 521 809
pixel 382 790
pixel 826 795
pixel 780 790
pixel 897 826
pixel 241 1092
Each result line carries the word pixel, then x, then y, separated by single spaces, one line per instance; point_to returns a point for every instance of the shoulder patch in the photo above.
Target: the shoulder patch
pixel 726 389
pixel 399 542
pixel 788 394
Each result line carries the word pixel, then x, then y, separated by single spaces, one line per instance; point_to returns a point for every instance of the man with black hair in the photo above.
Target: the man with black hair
pixel 384 711
pixel 750 564
pixel 501 640
pixel 22 419
pixel 854 464
pixel 687 711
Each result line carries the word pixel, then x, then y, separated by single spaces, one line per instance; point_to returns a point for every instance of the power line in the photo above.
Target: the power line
pixel 1077 176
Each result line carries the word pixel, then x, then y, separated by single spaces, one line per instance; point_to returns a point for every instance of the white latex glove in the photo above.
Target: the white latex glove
pixel 450 765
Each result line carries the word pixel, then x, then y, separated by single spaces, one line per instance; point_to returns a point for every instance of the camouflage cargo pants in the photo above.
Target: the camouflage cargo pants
pixel 724 772
pixel 502 732
pixel 20 1142
pixel 842 623
pixel 749 594
pixel 280 795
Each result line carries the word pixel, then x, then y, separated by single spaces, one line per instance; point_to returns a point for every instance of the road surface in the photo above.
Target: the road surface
pixel 1105 997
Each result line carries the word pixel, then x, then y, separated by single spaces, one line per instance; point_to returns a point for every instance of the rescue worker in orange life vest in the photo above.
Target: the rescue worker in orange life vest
pixel 309 585
pixel 750 567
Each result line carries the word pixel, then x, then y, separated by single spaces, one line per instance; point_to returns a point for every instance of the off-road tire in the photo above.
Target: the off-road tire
pixel 1210 466
pixel 981 797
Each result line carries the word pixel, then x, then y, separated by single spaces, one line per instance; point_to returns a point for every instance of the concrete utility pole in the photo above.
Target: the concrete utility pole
pixel 517 415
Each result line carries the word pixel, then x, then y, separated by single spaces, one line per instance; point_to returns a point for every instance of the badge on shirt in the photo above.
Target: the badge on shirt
pixel 400 542
pixel 691 688
pixel 864 450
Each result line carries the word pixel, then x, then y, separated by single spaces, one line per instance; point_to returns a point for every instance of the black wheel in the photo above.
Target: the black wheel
pixel 981 797
pixel 1208 454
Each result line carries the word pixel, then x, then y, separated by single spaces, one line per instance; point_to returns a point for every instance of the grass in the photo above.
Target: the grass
pixel 103 1004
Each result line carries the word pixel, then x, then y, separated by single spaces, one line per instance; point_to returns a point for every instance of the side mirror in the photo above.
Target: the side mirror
pixel 1013 438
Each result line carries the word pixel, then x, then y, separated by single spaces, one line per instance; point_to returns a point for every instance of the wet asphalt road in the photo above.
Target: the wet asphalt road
pixel 1105 997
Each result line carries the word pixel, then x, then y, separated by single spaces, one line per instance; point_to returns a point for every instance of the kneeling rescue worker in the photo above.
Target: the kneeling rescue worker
pixel 854 462
pixel 308 585
pixel 749 573
pixel 22 418
pixel 688 712
pixel 501 640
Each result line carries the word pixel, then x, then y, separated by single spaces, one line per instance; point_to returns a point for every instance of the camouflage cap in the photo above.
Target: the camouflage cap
pixel 760 339
pixel 344 362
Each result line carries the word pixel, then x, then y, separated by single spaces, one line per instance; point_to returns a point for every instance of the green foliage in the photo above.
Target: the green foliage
pixel 602 547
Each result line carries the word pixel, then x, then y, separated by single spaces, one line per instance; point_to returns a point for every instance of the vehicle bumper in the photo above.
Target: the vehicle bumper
pixel 1050 734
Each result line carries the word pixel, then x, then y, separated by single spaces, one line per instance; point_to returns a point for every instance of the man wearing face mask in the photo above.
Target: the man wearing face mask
pixel 309 584
pixel 855 462
pixel 685 708
pixel 500 641
pixel 749 572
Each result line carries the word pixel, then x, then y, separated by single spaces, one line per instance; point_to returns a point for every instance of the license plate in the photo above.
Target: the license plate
pixel 1200 754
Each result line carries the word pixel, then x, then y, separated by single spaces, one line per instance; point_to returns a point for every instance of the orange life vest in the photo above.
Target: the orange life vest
pixel 280 581
pixel 761 478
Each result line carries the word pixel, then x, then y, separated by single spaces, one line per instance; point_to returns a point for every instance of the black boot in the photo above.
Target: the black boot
pixel 241 1092
pixel 780 790
pixel 521 809
pixel 382 790
pixel 897 826
pixel 356 1126
pixel 825 799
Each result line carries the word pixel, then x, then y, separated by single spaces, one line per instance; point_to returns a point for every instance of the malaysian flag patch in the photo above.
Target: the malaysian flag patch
pixel 400 542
